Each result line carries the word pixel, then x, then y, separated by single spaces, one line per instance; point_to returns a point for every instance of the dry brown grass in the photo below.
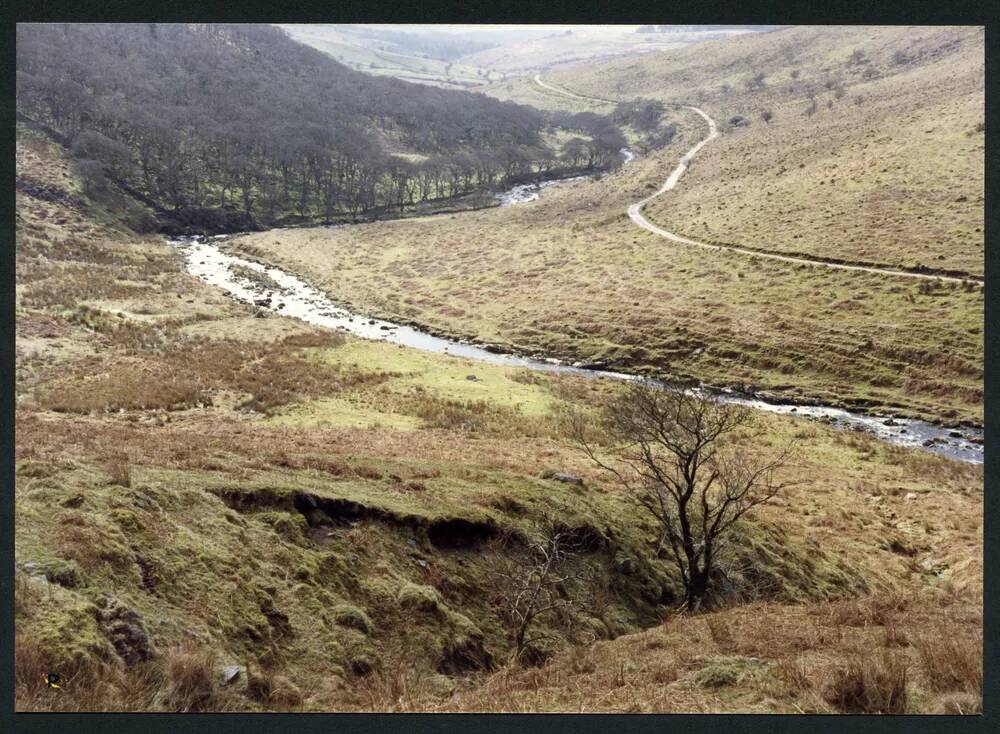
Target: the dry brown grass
pixel 952 662
pixel 192 681
pixel 870 685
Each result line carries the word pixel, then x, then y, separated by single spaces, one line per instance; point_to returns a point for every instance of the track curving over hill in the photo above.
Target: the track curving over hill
pixel 635 212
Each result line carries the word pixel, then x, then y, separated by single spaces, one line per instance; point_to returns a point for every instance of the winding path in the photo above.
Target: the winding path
pixel 635 211
pixel 566 93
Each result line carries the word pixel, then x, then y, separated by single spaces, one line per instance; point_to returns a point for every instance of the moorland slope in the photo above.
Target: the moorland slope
pixel 571 275
pixel 201 492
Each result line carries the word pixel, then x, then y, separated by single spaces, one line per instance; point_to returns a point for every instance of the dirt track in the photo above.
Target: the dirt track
pixel 635 212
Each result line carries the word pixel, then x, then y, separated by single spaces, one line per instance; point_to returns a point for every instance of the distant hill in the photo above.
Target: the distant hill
pixel 423 57
pixel 586 45
pixel 224 126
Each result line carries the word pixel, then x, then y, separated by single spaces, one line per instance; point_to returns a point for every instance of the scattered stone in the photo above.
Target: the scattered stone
pixel 955 434
pixel 890 422
pixel 57 571
pixel 232 673
pixel 910 497
pixel 567 479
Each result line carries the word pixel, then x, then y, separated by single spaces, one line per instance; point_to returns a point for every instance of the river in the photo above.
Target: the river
pixel 531 191
pixel 295 298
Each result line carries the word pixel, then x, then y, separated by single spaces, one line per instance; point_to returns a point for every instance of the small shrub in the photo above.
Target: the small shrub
pixel 724 672
pixel 755 82
pixel 120 472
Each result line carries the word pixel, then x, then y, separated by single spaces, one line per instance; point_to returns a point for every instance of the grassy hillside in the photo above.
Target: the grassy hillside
pixel 886 168
pixel 201 492
pixel 236 127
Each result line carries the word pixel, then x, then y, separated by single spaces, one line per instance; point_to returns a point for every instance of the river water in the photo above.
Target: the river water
pixel 531 191
pixel 295 298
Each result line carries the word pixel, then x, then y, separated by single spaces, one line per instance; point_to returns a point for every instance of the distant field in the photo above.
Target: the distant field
pixel 583 46
pixel 412 67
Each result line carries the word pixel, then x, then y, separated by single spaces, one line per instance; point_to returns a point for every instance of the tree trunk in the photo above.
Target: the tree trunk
pixel 696 590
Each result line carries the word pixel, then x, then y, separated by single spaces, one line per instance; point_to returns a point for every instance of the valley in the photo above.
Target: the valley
pixel 311 451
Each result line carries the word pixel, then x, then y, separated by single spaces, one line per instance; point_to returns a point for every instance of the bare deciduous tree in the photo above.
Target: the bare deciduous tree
pixel 528 590
pixel 675 453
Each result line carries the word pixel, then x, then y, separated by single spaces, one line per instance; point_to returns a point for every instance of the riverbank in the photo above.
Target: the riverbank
pixel 291 296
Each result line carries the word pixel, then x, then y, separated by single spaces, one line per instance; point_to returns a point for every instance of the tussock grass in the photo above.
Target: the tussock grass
pixel 951 662
pixel 871 685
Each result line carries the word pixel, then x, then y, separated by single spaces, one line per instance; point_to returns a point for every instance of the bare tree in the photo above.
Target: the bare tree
pixel 675 453
pixel 529 590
